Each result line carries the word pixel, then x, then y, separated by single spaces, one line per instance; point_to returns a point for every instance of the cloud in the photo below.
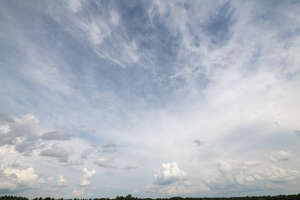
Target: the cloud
pixel 109 148
pixel 168 174
pixel 23 133
pixel 97 31
pixel 281 156
pixel 129 167
pixel 74 162
pixel 14 179
pixel 198 143
pixel 41 180
pixel 86 176
pixel 55 151
pixel 24 176
pixel 238 176
pixel 105 163
pixel 298 133
pixel 74 5
pixel 61 181
pixel 170 180
pixel 115 18
pixel 78 192
pixel 154 76
pixel 87 173
pixel 87 153
pixel 177 188
pixel 4 129
pixel 56 135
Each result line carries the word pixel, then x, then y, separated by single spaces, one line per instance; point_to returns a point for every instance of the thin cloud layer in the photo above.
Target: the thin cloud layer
pixel 56 135
pixel 62 154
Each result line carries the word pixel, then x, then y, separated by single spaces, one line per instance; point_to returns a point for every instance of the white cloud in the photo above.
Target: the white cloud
pixel 74 5
pixel 22 176
pixel 61 180
pixel 105 163
pixel 247 81
pixel 41 180
pixel 96 30
pixel 87 173
pixel 22 133
pixel 12 178
pixel 281 156
pixel 78 193
pixel 168 174
pixel 4 129
pixel 249 174
pixel 86 176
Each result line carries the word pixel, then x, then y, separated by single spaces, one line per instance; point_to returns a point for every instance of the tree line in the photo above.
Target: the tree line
pixel 129 197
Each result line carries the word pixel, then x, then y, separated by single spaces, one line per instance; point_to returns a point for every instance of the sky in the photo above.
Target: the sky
pixel 149 98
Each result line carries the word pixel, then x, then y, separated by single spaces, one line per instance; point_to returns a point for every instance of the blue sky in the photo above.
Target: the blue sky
pixel 149 98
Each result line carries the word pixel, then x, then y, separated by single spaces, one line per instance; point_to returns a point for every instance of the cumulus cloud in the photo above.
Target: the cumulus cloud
pixel 61 181
pixel 168 174
pixel 4 129
pixel 25 134
pixel 22 133
pixel 86 176
pixel 13 179
pixel 243 175
pixel 56 135
pixel 21 175
pixel 170 180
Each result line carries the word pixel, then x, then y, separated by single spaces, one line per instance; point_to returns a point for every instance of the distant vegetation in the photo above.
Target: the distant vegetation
pixel 129 197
